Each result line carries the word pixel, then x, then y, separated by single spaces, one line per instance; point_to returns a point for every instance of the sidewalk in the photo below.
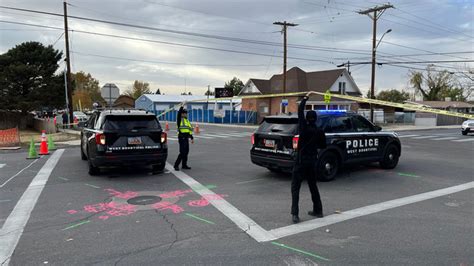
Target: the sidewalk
pixel 412 127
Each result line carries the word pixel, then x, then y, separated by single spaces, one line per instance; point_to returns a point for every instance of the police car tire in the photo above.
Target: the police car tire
pixel 322 174
pixel 92 169
pixel 83 156
pixel 388 163
pixel 157 168
pixel 275 170
pixel 464 133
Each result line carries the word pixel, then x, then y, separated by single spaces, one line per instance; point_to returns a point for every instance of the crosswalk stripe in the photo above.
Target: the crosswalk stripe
pixel 2 165
pixel 203 137
pixel 424 137
pixel 408 136
pixel 445 138
pixel 463 140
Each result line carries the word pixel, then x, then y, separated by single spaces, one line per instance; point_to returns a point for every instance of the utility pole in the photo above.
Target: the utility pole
pixel 68 63
pixel 348 65
pixel 285 26
pixel 374 13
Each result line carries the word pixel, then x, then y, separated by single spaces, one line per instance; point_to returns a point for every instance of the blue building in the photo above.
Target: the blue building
pixel 199 108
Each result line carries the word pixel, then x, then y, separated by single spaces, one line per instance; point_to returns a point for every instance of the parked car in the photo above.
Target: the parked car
pixel 113 138
pixel 467 126
pixel 350 138
pixel 80 117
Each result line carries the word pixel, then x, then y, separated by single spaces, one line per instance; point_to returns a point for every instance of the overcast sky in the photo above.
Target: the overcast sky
pixel 331 32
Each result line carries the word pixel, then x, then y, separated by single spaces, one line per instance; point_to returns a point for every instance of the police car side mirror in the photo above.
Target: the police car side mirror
pixel 377 128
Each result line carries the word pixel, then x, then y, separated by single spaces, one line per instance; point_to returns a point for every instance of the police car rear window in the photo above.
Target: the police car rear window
pixel 116 122
pixel 279 125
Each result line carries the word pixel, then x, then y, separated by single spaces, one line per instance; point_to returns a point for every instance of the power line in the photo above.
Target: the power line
pixel 167 25
pixel 166 62
pixel 171 43
pixel 225 38
pixel 439 25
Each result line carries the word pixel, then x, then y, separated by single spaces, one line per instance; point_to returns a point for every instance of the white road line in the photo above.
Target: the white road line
pixel 202 137
pixel 218 136
pixel 9 179
pixel 367 210
pixel 171 138
pixel 464 140
pixel 240 219
pixel 408 136
pixel 445 138
pixel 250 181
pixel 424 137
pixel 2 165
pixel 15 224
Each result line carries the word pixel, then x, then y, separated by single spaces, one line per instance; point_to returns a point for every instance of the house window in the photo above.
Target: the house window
pixel 264 109
pixel 342 87
pixel 308 107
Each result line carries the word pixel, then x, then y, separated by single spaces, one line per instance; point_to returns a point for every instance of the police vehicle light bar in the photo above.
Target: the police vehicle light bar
pixel 332 111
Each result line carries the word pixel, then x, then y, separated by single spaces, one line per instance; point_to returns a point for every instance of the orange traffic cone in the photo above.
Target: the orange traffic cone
pixel 167 126
pixel 196 129
pixel 44 144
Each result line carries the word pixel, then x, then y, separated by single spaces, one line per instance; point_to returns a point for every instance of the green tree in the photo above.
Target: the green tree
pixel 235 84
pixel 431 83
pixel 393 96
pixel 138 89
pixel 28 80
pixel 85 82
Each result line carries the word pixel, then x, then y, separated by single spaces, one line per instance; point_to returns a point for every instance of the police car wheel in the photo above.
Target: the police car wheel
pixel 275 170
pixel 464 133
pixel 328 166
pixel 390 158
pixel 158 168
pixel 83 156
pixel 92 169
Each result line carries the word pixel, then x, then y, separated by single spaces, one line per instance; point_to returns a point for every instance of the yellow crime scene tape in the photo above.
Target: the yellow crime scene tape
pixel 327 96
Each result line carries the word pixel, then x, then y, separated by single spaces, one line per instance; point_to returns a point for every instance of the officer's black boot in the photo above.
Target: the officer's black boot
pixel 186 167
pixel 316 214
pixel 296 219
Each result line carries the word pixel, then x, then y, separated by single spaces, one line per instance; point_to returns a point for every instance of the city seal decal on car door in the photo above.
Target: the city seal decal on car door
pixel 362 145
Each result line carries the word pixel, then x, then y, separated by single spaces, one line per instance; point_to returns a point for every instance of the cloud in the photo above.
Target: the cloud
pixel 424 26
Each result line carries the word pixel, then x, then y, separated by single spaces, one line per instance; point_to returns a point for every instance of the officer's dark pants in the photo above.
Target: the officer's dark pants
pixel 306 171
pixel 183 151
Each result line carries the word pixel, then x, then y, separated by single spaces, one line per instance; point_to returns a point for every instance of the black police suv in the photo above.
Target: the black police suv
pixel 350 139
pixel 123 138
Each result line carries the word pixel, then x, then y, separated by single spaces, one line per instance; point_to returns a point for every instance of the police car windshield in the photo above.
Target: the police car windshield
pixel 116 122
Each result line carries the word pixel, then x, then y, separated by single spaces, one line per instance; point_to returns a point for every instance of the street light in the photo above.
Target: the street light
pixel 372 83
pixel 388 31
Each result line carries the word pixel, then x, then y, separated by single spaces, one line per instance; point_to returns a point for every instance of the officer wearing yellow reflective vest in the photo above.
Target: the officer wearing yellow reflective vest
pixel 185 132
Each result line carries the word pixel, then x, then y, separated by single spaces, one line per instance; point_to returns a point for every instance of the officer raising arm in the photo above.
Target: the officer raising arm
pixel 185 132
pixel 311 138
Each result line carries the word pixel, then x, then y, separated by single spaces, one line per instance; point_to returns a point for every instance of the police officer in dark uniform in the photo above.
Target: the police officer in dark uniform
pixel 185 132
pixel 311 138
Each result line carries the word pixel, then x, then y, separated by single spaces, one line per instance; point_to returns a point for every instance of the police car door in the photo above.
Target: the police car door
pixel 341 134
pixel 369 142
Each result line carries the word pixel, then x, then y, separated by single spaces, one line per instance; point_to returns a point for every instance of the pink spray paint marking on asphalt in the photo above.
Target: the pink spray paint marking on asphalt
pixel 114 209
pixel 204 201
pixel 122 195
pixel 176 193
pixel 165 205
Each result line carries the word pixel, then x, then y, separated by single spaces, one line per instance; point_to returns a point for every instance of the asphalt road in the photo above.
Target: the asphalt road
pixel 373 216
